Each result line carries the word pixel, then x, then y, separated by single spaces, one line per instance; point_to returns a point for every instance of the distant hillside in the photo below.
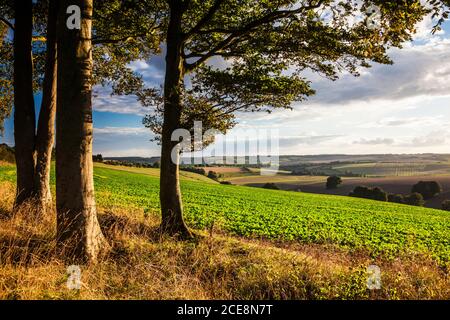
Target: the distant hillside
pixel 6 153
pixel 134 159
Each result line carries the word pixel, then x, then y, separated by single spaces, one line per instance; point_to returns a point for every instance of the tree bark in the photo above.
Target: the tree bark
pixel 170 193
pixel 46 123
pixel 78 231
pixel 24 114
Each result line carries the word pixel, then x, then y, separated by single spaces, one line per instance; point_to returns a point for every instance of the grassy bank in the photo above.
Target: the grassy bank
pixel 252 243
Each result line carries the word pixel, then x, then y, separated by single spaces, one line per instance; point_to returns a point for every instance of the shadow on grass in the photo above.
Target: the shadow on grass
pixel 113 225
pixel 22 251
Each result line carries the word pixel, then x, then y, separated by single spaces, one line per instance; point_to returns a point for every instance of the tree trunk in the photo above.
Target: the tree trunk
pixel 78 231
pixel 46 124
pixel 170 193
pixel 24 114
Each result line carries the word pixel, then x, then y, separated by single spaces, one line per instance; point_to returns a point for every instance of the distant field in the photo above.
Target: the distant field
pixel 380 229
pixel 257 179
pixel 184 175
pixel 395 168
pixel 230 172
pixel 225 169
pixel 316 184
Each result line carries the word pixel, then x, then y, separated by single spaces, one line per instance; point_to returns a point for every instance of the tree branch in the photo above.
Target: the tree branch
pixel 113 41
pixel 268 18
pixel 206 18
pixel 7 23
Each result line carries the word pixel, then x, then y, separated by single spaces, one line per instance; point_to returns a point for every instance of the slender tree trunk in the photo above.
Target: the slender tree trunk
pixel 170 193
pixel 78 230
pixel 46 124
pixel 24 114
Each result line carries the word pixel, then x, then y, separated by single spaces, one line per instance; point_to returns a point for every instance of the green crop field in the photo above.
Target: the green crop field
pixel 379 228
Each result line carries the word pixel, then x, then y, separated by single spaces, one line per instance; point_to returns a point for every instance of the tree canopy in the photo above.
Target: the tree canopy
pixel 266 50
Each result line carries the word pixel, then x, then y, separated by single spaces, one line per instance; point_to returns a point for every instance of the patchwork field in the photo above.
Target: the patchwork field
pixel 380 229
pixel 316 184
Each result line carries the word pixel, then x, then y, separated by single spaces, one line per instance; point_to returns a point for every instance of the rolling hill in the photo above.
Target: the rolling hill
pixel 379 229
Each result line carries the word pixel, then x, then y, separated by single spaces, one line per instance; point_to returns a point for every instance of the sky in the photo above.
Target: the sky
pixel 403 108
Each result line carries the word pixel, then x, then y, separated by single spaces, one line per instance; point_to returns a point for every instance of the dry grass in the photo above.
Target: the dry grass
pixel 142 265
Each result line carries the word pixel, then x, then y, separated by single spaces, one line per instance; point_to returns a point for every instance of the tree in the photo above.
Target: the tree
pixel 396 198
pixel 428 189
pixel 266 46
pixel 115 47
pixel 46 123
pixel 6 75
pixel 415 199
pixel 33 149
pixel 376 193
pixel 441 12
pixel 446 205
pixel 271 186
pixel 156 164
pixel 97 158
pixel 333 182
pixel 213 175
pixel 78 230
pixel 24 116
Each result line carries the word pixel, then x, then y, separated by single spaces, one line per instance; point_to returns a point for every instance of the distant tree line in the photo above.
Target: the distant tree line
pixel 423 190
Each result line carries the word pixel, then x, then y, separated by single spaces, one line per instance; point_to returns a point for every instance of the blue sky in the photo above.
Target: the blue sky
pixel 402 108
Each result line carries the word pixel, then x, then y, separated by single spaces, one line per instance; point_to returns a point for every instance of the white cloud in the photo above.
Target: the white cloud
pixel 121 131
pixel 435 138
pixel 388 109
pixel 374 142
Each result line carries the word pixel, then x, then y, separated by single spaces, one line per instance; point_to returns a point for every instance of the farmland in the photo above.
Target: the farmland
pixel 380 229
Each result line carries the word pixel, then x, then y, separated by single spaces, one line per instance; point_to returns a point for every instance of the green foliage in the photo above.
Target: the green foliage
pixel 6 76
pixel 97 158
pixel 213 175
pixel 271 186
pixel 441 12
pixel 396 198
pixel 264 49
pixel 194 169
pixel 446 205
pixel 7 153
pixel 333 182
pixel 156 164
pixel 193 110
pixel 415 199
pixel 369 193
pixel 124 31
pixel 428 189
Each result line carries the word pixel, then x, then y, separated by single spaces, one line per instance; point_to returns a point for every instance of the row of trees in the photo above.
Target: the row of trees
pixel 378 194
pixel 266 45
pixel 49 57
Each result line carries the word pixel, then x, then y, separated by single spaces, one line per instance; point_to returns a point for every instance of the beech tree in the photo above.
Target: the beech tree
pixel 33 150
pixel 267 47
pixel 440 11
pixel 46 123
pixel 129 38
pixel 116 45
pixel 78 230
pixel 24 115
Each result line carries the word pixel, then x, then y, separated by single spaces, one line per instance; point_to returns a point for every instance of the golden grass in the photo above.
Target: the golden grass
pixel 143 265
